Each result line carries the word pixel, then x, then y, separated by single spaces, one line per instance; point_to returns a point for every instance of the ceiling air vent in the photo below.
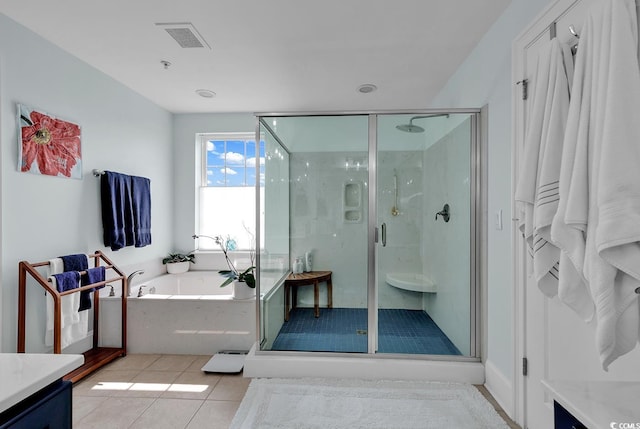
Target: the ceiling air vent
pixel 185 34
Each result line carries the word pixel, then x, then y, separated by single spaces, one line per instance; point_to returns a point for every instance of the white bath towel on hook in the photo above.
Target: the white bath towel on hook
pixel 604 189
pixel 537 190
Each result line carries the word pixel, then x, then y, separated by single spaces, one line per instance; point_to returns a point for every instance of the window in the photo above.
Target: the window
pixel 232 163
pixel 230 166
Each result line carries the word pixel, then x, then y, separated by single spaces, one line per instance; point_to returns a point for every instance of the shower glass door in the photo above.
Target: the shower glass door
pixel 327 192
pixel 425 288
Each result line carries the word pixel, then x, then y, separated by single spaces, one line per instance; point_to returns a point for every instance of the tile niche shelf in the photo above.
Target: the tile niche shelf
pixel 352 202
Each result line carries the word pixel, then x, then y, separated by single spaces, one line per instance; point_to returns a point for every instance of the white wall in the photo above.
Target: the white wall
pixel 44 216
pixel 485 78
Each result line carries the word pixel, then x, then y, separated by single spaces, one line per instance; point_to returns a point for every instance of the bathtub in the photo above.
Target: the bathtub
pixel 185 313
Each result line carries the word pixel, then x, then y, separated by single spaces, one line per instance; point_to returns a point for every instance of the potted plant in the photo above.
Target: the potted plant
pixel 244 282
pixel 178 262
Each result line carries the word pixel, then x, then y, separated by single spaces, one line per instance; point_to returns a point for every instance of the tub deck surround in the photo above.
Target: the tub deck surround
pixel 187 313
pixel 24 374
pixel 188 285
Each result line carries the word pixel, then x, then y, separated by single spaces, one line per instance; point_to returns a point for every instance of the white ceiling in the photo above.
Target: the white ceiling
pixel 270 55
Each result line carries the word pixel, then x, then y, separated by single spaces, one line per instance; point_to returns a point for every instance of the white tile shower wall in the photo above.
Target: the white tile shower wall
pixel 317 224
pixel 403 252
pixel 446 245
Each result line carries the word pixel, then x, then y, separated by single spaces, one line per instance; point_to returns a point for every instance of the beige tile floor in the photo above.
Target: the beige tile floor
pixel 157 391
pixel 166 391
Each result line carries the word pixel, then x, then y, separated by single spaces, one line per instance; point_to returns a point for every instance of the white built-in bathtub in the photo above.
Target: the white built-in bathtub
pixel 186 313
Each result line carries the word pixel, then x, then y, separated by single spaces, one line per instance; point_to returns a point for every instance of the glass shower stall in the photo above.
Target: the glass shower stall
pixel 386 204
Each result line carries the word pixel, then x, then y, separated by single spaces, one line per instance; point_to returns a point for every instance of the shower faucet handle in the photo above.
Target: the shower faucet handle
pixel 446 215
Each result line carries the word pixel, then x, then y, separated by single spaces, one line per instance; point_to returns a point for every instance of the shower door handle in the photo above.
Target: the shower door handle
pixel 384 235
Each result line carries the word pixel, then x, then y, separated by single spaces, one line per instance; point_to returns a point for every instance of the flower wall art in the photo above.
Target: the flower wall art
pixel 48 145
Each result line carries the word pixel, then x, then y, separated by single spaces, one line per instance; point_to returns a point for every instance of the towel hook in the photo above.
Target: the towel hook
pixel 572 30
pixel 574 48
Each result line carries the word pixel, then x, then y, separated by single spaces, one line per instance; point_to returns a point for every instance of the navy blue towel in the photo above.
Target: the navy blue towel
pixel 141 197
pixel 92 275
pixel 77 262
pixel 117 210
pixel 67 281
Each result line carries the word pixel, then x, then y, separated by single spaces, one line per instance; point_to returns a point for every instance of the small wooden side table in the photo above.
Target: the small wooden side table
pixel 304 279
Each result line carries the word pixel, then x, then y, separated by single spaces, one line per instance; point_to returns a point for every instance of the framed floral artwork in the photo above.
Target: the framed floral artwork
pixel 48 145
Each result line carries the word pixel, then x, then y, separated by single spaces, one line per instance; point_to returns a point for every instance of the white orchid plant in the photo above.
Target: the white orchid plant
pixel 228 245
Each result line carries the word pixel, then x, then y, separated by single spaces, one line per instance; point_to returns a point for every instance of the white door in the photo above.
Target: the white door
pixel 537 316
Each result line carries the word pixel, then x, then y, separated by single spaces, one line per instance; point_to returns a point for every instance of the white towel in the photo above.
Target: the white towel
pixel 74 326
pixel 537 190
pixel 569 224
pixel 603 195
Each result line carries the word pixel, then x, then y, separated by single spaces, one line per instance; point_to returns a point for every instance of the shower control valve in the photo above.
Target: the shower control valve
pixel 446 215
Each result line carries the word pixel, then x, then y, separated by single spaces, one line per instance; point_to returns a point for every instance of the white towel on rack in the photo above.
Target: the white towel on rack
pixel 537 190
pixel 601 210
pixel 74 324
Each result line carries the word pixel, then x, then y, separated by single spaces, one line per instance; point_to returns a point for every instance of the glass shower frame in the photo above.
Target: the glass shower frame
pixel 477 194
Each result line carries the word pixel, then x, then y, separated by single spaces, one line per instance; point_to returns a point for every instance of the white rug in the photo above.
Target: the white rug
pixel 366 404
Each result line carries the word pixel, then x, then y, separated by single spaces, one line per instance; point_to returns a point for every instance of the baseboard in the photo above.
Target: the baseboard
pixel 500 387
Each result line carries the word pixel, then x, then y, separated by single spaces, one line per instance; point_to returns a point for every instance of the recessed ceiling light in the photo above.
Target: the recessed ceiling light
pixel 367 88
pixel 205 93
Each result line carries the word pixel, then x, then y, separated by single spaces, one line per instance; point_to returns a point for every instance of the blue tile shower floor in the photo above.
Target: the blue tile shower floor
pixel 345 330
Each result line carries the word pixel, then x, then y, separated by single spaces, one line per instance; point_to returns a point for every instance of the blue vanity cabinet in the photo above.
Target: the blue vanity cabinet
pixel 563 419
pixel 48 408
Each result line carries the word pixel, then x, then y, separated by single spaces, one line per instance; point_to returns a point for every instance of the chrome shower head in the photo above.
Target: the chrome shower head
pixel 411 128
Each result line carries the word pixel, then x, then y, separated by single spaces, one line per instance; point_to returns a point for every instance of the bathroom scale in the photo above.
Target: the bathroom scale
pixel 226 361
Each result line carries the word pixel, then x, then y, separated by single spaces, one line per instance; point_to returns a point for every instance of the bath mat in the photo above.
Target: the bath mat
pixel 365 404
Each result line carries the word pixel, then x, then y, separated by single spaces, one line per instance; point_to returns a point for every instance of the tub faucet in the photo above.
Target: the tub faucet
pixel 131 276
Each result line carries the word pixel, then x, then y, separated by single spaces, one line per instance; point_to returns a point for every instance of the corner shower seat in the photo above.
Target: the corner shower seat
pixel 415 282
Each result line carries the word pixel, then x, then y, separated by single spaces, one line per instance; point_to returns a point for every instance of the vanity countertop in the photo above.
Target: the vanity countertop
pixel 23 374
pixel 598 404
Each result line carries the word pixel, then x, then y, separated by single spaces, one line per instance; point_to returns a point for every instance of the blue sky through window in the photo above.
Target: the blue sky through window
pixel 233 162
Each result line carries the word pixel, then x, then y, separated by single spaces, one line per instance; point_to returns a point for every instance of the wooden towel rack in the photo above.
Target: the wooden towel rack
pixel 95 357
